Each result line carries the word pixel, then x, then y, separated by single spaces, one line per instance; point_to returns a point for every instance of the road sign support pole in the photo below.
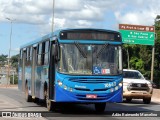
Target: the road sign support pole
pixel 128 58
pixel 152 64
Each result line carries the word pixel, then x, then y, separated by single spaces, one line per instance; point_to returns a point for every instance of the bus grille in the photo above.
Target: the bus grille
pixel 84 89
pixel 91 80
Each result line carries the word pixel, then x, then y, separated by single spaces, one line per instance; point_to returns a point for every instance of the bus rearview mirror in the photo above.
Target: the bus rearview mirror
pixel 56 53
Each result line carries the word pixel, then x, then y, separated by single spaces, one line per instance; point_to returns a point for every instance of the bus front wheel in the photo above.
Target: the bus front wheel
pixel 49 104
pixel 100 107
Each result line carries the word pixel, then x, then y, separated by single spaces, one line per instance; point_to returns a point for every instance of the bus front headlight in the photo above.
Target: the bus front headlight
pixel 120 84
pixel 116 88
pixel 59 83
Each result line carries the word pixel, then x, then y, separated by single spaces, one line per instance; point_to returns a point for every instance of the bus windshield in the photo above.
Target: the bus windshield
pixel 82 59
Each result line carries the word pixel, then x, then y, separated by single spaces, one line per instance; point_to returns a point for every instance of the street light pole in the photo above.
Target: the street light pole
pixel 8 74
pixel 53 16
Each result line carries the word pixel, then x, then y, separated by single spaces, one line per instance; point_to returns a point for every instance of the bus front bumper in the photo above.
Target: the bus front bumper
pixel 62 95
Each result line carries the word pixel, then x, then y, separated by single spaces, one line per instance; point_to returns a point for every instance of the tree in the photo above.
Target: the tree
pixel 14 61
pixel 3 59
pixel 15 77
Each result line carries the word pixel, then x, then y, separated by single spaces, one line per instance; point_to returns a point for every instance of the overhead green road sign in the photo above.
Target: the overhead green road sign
pixel 137 37
pixel 135 34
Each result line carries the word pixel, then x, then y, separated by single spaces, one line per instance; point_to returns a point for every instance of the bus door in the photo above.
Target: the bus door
pixel 52 72
pixel 23 69
pixel 33 71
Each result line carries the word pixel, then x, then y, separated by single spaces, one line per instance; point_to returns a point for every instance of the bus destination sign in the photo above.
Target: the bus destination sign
pixel 90 35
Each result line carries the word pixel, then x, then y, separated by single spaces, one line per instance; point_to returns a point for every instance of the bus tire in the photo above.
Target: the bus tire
pixel 36 100
pixel 49 104
pixel 27 96
pixel 100 107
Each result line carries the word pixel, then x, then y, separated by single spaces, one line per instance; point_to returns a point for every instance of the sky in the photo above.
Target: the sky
pixel 31 19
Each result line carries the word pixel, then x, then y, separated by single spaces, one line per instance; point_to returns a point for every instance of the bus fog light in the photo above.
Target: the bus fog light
pixel 116 88
pixel 111 90
pixel 59 83
pixel 65 87
pixel 70 89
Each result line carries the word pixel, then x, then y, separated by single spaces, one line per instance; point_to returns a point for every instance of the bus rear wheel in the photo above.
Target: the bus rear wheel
pixel 27 96
pixel 100 107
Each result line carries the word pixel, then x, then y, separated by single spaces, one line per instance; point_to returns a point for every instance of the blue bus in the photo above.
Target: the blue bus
pixel 73 66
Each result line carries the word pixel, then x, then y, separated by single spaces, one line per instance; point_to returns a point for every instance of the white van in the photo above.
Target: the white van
pixel 136 87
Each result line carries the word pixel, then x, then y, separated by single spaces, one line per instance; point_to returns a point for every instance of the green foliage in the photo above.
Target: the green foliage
pixel 140 64
pixel 14 61
pixel 140 57
pixel 3 59
pixel 15 79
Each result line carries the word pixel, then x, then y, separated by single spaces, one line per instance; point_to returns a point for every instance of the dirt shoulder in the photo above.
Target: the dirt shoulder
pixel 8 86
pixel 156 95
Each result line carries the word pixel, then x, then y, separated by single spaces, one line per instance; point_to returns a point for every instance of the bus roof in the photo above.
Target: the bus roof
pixel 50 35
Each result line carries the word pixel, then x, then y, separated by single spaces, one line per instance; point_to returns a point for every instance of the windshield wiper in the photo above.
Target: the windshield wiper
pixel 80 50
pixel 101 50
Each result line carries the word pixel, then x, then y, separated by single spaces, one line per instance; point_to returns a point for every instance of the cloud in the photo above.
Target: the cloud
pixel 79 13
pixel 60 23
pixel 65 5
pixel 140 18
pixel 138 12
pixel 15 49
pixel 84 23
pixel 33 12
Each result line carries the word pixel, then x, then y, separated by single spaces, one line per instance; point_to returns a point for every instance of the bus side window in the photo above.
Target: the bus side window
pixel 46 53
pixel 43 52
pixel 27 56
pixel 20 58
pixel 30 57
pixel 39 53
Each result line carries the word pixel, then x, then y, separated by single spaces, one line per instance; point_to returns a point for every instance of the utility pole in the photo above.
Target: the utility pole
pixel 8 71
pixel 157 19
pixel 152 66
pixel 53 16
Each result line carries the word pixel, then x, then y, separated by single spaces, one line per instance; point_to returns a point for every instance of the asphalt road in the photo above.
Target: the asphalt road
pixel 11 99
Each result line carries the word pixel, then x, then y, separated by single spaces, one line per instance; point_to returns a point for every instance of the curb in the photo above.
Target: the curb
pixel 156 95
pixel 8 86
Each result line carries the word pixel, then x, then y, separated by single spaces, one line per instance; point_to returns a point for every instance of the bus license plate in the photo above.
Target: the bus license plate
pixel 91 96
